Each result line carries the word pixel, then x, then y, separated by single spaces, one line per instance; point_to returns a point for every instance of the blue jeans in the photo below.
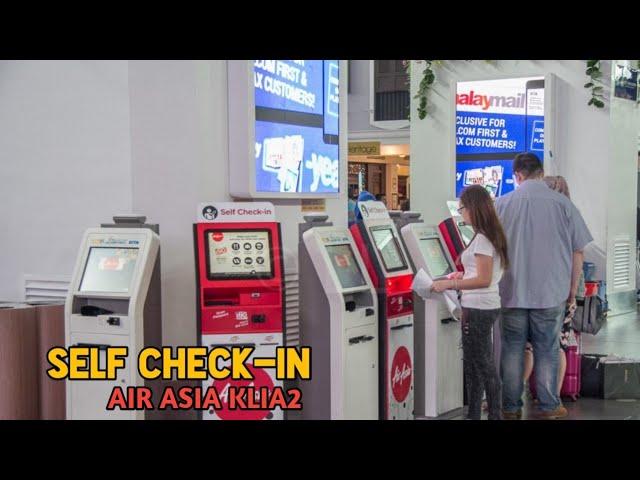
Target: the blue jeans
pixel 542 326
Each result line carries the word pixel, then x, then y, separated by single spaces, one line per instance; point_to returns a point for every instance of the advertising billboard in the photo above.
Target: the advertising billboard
pixel 495 120
pixel 296 126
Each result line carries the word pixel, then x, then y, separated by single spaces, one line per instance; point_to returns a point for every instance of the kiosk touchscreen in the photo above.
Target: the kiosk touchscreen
pixel 339 318
pixel 386 260
pixel 466 231
pixel 438 357
pixel 456 234
pixel 113 300
pixel 240 292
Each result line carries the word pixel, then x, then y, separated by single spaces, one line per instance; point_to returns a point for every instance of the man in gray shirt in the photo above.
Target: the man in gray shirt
pixel 545 236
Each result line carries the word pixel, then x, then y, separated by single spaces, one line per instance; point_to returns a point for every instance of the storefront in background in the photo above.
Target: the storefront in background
pixel 382 170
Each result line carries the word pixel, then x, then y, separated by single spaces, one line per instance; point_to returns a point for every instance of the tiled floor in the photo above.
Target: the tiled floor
pixel 619 336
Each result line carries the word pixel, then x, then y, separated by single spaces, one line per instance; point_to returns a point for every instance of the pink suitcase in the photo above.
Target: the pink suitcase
pixel 571 383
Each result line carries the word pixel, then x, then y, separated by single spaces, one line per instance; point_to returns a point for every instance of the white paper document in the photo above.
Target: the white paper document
pixel 422 286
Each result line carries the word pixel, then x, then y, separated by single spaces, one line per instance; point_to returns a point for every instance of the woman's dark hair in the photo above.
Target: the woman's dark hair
pixel 528 164
pixel 484 219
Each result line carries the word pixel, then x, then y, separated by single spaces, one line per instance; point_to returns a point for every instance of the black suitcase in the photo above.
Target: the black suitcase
pixel 592 376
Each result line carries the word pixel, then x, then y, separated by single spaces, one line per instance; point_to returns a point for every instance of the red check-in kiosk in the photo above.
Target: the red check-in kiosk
pixel 455 233
pixel 388 266
pixel 240 289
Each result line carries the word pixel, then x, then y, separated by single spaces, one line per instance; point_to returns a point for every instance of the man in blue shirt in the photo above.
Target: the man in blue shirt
pixel 546 235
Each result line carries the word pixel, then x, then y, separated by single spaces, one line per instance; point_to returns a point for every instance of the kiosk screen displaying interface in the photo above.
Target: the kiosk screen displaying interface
pixel 345 265
pixel 466 232
pixel 109 269
pixel 389 249
pixel 239 254
pixel 435 257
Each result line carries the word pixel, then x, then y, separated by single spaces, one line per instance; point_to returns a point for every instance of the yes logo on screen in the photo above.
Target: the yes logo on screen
pixel 297 126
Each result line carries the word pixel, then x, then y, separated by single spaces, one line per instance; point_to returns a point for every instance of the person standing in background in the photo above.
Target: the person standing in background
pixel 546 235
pixel 560 185
pixel 364 196
pixel 351 207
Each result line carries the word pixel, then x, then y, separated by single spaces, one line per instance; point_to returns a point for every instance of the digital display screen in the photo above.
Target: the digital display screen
pixel 466 232
pixel 389 249
pixel 239 254
pixel 435 257
pixel 109 270
pixel 345 266
pixel 297 126
pixel 495 120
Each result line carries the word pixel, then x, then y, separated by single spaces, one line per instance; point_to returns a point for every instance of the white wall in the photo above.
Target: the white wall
pixel 622 190
pixel 176 126
pixel 359 96
pixel 582 137
pixel 64 161
pixel 360 109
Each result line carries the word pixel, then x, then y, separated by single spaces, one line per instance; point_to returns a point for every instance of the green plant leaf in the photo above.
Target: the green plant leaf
pixel 598 89
pixel 591 101
pixel 588 85
pixel 591 63
pixel 598 103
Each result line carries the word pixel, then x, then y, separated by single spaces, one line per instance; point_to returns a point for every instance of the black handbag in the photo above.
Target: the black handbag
pixel 592 373
pixel 591 313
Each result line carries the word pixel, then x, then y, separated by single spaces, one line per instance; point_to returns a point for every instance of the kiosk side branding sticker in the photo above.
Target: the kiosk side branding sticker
pixel 401 370
pixel 373 210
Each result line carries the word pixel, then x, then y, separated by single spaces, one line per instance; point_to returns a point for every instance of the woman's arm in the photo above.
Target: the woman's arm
pixel 484 264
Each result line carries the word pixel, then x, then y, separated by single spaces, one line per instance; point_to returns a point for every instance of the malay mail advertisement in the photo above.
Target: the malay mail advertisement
pixel 297 126
pixel 495 120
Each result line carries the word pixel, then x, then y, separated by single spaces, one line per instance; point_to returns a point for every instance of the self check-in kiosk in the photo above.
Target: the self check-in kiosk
pixel 240 292
pixel 386 260
pixel 455 233
pixel 438 356
pixel 114 300
pixel 339 321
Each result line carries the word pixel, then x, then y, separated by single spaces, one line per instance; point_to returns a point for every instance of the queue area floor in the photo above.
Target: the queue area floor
pixel 619 336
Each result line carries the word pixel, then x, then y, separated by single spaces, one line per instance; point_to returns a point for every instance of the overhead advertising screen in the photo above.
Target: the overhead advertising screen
pixel 239 254
pixel 495 120
pixel 297 126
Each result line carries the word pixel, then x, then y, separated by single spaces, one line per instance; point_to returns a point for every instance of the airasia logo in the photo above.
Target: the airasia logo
pixel 217 236
pixel 260 379
pixel 401 374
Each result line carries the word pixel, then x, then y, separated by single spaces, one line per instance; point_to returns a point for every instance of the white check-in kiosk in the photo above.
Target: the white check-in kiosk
pixel 114 300
pixel 339 321
pixel 438 352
